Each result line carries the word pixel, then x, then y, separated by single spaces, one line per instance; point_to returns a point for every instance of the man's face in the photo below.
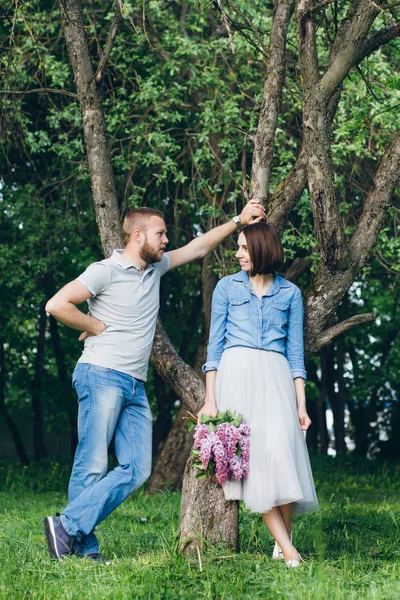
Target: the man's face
pixel 154 240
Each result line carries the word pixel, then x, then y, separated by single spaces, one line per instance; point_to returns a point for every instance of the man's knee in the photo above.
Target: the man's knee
pixel 137 475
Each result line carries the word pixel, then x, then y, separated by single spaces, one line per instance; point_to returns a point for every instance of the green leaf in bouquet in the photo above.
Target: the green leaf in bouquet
pixel 238 451
pixel 203 475
pixel 196 452
pixel 198 465
pixel 237 421
pixel 205 419
pixel 191 426
pixel 212 428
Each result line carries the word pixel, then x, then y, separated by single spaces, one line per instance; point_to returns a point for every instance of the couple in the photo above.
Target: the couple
pixel 257 328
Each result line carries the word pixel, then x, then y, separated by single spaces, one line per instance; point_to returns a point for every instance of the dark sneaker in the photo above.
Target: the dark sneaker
pixel 97 557
pixel 59 542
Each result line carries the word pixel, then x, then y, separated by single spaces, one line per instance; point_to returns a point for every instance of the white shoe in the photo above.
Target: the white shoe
pixel 277 553
pixel 292 563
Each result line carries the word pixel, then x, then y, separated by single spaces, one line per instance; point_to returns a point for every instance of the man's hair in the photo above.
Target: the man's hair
pixel 265 248
pixel 137 218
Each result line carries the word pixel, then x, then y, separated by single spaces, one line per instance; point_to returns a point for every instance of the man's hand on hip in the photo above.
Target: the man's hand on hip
pixel 97 328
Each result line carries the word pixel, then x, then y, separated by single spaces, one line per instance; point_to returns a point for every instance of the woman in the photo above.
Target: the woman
pixel 255 366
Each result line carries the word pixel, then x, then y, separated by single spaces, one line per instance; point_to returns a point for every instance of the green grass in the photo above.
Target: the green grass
pixel 351 545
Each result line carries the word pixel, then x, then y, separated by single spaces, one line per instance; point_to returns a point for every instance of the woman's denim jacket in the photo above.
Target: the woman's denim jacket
pixel 240 318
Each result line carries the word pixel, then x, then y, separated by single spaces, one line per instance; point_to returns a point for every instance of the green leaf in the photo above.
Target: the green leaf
pixel 205 419
pixel 198 465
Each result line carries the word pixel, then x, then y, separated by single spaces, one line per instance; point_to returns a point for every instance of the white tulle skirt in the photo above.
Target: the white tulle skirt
pixel 259 385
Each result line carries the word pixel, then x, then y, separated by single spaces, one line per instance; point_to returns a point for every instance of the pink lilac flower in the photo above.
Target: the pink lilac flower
pixel 221 447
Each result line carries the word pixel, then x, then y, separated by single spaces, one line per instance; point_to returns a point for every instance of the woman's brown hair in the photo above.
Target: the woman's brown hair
pixel 265 248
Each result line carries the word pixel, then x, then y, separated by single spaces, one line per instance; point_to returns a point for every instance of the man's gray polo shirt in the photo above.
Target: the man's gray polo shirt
pixel 127 301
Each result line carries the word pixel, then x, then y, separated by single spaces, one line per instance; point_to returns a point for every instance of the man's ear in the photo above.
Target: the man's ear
pixel 137 235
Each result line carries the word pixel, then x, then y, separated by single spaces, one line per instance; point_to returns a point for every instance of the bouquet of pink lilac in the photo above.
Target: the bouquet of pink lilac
pixel 221 446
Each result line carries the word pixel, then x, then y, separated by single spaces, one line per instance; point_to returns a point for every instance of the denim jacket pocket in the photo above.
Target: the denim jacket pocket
pixel 279 314
pixel 239 310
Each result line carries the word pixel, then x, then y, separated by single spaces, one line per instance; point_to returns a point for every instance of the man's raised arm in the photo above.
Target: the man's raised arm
pixel 252 213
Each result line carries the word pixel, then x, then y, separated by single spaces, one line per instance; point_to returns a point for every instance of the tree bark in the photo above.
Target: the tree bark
pixel 206 517
pixel 170 465
pixel 271 101
pixel 94 129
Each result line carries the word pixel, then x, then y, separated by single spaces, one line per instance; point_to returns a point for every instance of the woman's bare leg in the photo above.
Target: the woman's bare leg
pixel 286 511
pixel 276 524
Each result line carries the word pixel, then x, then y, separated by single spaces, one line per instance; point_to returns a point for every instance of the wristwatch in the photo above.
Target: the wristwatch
pixel 237 221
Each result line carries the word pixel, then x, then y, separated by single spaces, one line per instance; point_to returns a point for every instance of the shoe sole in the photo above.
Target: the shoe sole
pixel 51 538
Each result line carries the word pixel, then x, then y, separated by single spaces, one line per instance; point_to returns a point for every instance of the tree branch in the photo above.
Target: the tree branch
pixel 183 380
pixel 271 101
pixel 349 40
pixel 287 193
pixel 112 34
pixel 378 39
pixel 329 334
pixel 316 139
pixel 373 215
pixel 39 91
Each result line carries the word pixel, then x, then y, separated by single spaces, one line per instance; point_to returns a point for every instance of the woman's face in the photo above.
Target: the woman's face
pixel 243 254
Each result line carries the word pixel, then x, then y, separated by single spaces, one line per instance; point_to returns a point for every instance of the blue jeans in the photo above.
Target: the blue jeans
pixel 111 403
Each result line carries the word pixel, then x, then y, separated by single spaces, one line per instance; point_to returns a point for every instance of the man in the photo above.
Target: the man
pixel 123 297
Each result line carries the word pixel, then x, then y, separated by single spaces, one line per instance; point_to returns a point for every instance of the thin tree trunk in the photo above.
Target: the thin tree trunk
pixel 173 456
pixel 340 395
pixel 70 404
pixel 321 405
pixel 8 420
pixel 39 446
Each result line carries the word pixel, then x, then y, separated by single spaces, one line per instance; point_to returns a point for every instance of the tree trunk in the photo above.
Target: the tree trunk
pixel 340 395
pixel 170 465
pixel 70 404
pixel 39 447
pixel 94 129
pixel 205 514
pixel 321 405
pixel 9 421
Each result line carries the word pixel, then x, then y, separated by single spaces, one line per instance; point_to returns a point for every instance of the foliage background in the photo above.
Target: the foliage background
pixel 178 104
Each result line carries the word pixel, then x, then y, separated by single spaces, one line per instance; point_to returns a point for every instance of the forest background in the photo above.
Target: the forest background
pixel 193 107
pixel 181 104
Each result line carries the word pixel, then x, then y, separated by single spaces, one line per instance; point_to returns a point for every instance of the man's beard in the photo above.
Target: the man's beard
pixel 148 254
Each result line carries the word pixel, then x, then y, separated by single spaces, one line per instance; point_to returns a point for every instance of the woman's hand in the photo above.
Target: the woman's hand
pixel 208 409
pixel 304 419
